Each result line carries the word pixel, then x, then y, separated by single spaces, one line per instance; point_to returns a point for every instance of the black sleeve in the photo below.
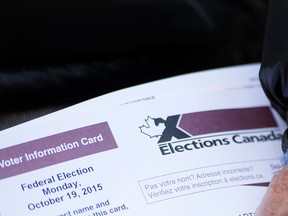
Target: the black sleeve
pixel 274 65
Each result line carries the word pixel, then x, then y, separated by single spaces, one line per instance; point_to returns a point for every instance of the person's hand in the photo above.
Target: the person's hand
pixel 275 200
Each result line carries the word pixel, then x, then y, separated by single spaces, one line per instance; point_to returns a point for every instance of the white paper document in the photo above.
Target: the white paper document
pixel 205 143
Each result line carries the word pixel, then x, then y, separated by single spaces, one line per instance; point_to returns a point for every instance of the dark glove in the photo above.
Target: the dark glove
pixel 274 66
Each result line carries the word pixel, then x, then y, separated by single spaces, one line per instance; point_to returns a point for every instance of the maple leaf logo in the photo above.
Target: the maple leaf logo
pixel 151 129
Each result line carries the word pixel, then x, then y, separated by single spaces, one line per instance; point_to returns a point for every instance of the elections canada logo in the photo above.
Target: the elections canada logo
pixel 164 129
pixel 192 131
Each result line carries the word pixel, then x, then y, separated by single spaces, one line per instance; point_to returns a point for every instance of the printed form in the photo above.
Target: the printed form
pixel 204 143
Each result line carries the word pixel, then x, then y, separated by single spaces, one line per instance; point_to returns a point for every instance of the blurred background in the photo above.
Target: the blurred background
pixel 54 54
